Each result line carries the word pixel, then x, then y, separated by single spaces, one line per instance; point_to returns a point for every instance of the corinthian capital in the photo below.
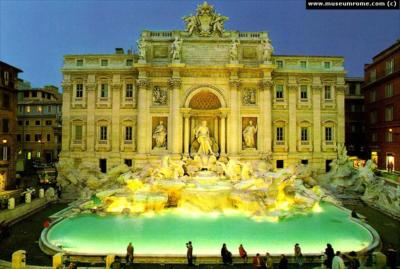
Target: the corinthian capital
pixel 142 82
pixel 340 89
pixel 67 86
pixel 174 82
pixel 234 83
pixel 266 84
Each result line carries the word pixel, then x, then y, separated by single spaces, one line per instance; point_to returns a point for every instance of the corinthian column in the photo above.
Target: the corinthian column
pixel 234 132
pixel 176 118
pixel 223 134
pixel 266 112
pixel 292 118
pixel 142 115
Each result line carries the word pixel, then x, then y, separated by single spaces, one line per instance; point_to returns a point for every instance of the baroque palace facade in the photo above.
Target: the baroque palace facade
pixel 252 104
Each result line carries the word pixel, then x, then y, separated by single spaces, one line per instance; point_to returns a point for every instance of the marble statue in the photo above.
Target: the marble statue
pixel 233 52
pixel 160 135
pixel 206 21
pixel 176 49
pixel 267 50
pixel 249 134
pixel 202 135
pixel 142 45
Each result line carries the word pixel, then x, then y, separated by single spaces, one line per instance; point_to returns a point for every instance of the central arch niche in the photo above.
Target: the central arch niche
pixel 204 100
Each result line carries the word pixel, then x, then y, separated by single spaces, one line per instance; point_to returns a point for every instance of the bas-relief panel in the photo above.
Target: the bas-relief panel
pixel 160 96
pixel 249 97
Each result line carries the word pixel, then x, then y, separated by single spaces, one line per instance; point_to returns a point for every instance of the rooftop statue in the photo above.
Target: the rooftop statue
pixel 206 22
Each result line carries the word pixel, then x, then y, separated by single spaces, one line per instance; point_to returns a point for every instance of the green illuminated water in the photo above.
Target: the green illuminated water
pixel 167 234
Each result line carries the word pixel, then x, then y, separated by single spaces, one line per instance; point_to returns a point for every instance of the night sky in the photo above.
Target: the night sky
pixel 34 35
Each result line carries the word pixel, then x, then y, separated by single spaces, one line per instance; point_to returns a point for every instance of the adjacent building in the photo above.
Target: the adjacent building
pixel 8 121
pixel 39 124
pixel 135 107
pixel 382 106
pixel 355 140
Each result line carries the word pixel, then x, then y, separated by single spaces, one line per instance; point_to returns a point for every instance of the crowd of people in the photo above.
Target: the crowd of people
pixel 332 259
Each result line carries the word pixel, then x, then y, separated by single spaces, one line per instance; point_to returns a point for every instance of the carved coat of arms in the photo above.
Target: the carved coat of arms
pixel 205 22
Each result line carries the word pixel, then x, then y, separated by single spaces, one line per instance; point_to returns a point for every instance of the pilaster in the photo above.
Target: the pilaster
pixel 90 123
pixel 234 133
pixel 142 113
pixel 266 112
pixel 66 112
pixel 292 134
pixel 340 90
pixel 176 117
pixel 115 128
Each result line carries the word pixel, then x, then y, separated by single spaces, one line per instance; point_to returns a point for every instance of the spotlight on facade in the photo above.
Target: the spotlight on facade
pixel 4 141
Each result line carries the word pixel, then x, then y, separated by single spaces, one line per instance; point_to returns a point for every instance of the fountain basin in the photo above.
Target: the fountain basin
pixel 165 234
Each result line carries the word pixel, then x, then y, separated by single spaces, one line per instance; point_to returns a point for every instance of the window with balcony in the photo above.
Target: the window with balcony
pixel 129 90
pixel 327 92
pixel 389 66
pixel 328 134
pixel 128 133
pixel 303 92
pixel 103 133
pixel 79 90
pixel 104 90
pixel 389 113
pixel 389 90
pixel 279 92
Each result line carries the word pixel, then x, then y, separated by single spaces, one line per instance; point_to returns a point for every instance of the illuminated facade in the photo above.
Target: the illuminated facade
pixel 135 107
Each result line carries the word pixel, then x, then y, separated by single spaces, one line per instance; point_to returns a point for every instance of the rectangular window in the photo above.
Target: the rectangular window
pixel 374 137
pixel 129 90
pixel 26 94
pixel 279 64
pixel 20 123
pixel 372 75
pixel 19 138
pixel 303 92
pixel 6 101
pixel 34 94
pixel 353 108
pixel 79 62
pixel 327 65
pixel 103 133
pixel 104 62
pixel 5 126
pixel 389 66
pixel 279 91
pixel 78 132
pixel 389 90
pixel 43 94
pixel 103 165
pixel 389 113
pixel 6 77
pixel 37 123
pixel 48 108
pixel 48 138
pixel 39 109
pixel 4 153
pixel 328 134
pixel 79 90
pixel 372 95
pixel 28 138
pixel 304 134
pixel 279 164
pixel 389 137
pixel 104 90
pixel 28 109
pixel 128 133
pixel 353 128
pixel 129 62
pixel 328 92
pixel 128 162
pixel 38 138
pixel 279 134
pixel 27 123
pixel 48 122
pixel 373 117
pixel 303 64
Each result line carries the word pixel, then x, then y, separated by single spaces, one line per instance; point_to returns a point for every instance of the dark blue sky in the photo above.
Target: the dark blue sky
pixel 34 35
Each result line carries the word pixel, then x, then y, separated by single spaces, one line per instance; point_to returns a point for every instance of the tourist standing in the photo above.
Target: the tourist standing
pixel 337 261
pixel 226 255
pixel 391 256
pixel 298 256
pixel 283 263
pixel 354 263
pixel 257 262
pixel 129 253
pixel 269 263
pixel 330 253
pixel 243 253
pixel 189 253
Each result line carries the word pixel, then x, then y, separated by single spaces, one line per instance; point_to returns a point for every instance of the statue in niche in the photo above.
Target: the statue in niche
pixel 203 138
pixel 233 52
pixel 160 136
pixel 267 50
pixel 249 97
pixel 249 134
pixel 176 49
pixel 159 96
pixel 142 45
